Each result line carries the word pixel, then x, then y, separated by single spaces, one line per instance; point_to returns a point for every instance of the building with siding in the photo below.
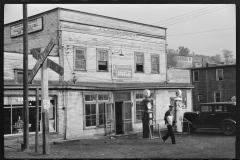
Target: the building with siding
pixel 214 83
pixel 107 63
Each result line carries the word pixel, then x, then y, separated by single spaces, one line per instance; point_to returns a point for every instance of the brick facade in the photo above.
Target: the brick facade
pixel 208 84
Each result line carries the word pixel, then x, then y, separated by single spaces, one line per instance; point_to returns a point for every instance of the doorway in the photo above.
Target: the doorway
pixel 118 115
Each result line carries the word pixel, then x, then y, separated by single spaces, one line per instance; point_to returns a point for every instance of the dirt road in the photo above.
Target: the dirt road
pixel 197 145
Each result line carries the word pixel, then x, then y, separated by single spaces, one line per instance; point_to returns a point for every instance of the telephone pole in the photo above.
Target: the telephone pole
pixel 25 80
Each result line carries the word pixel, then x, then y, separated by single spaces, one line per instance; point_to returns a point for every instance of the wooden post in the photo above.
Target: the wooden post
pixel 45 119
pixel 37 120
pixel 25 81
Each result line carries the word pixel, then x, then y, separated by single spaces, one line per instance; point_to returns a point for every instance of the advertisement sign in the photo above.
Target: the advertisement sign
pixel 33 26
pixel 122 71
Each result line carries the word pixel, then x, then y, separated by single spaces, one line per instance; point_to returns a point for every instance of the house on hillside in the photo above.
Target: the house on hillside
pixel 107 63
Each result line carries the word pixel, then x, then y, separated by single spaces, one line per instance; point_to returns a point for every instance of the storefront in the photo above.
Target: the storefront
pixel 13 108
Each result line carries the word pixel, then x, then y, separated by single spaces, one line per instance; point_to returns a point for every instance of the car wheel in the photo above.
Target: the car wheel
pixel 228 128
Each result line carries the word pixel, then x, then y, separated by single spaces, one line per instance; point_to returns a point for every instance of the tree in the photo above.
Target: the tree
pixel 228 56
pixel 216 58
pixel 183 51
pixel 171 60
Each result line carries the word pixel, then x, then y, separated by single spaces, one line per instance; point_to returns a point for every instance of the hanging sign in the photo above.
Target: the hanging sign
pixel 33 26
pixel 122 71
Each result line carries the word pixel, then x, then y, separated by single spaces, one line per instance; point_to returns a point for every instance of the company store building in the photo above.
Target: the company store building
pixel 107 63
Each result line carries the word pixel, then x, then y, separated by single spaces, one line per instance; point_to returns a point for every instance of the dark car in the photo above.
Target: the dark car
pixel 220 115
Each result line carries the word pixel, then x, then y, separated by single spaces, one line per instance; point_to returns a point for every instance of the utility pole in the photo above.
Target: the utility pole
pixel 45 118
pixel 37 120
pixel 25 80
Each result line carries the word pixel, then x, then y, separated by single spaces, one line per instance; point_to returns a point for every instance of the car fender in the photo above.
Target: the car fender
pixel 230 120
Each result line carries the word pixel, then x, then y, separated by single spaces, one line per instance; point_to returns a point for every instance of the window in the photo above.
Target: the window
pixel 217 97
pixel 102 60
pixel 206 108
pixel 200 98
pixel 94 105
pixel 218 108
pixel 155 63
pixel 139 110
pixel 139 62
pixel 219 74
pixel 195 76
pixel 18 75
pixel 80 59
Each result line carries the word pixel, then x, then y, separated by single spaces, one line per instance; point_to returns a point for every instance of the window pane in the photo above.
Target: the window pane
pixel 102 63
pixel 80 54
pixel 20 78
pixel 139 58
pixel 139 68
pixel 101 108
pixel 93 108
pixel 218 108
pixel 103 55
pixel 90 97
pixel 80 64
pixel 87 109
pixel 88 123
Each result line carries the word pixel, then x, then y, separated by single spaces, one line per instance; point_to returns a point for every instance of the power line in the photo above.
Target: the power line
pixel 197 16
pixel 202 31
pixel 183 14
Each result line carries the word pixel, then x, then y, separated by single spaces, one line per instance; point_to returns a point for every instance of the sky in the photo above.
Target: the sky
pixel 205 29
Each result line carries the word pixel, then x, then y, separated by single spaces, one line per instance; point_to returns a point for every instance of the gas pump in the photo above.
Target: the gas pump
pixel 178 104
pixel 147 105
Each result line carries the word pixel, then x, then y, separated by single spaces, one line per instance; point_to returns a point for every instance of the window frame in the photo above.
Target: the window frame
pixel 97 102
pixel 97 52
pixel 16 71
pixel 135 62
pixel 194 76
pixel 200 99
pixel 139 101
pixel 74 58
pixel 155 55
pixel 217 75
pixel 217 97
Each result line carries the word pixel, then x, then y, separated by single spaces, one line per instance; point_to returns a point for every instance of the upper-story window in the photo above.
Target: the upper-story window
pixel 219 74
pixel 195 76
pixel 18 75
pixel 155 63
pixel 200 98
pixel 80 58
pixel 139 62
pixel 102 60
pixel 217 97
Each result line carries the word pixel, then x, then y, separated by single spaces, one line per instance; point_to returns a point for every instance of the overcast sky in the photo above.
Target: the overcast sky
pixel 203 28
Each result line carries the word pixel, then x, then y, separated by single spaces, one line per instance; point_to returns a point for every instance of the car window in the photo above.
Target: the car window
pixel 218 108
pixel 206 108
pixel 224 108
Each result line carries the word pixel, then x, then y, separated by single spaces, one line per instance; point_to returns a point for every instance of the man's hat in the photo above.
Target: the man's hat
pixel 171 105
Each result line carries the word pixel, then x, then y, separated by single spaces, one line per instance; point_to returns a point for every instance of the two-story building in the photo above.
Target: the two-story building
pixel 107 62
pixel 213 83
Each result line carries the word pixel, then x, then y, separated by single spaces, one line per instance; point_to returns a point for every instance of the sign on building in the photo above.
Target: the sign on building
pixel 33 26
pixel 122 71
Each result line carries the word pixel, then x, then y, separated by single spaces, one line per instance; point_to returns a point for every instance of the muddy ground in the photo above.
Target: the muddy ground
pixel 196 145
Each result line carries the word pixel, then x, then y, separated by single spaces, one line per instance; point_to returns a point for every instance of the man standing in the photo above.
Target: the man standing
pixel 169 121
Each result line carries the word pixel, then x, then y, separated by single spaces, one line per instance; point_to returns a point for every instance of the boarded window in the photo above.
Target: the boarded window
pixel 102 60
pixel 80 59
pixel 139 62
pixel 155 63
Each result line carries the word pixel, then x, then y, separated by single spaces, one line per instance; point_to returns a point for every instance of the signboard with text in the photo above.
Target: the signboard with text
pixel 122 71
pixel 33 26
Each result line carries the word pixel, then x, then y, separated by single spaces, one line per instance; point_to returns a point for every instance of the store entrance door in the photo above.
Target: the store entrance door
pixel 123 117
